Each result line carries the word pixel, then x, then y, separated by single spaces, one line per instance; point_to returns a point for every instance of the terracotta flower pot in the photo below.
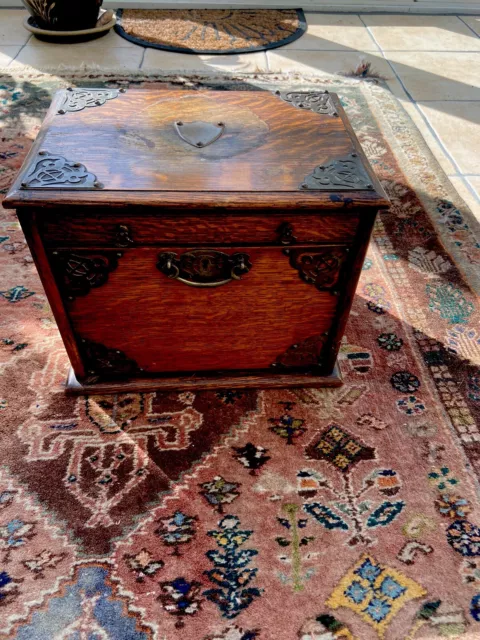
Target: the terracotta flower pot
pixel 64 15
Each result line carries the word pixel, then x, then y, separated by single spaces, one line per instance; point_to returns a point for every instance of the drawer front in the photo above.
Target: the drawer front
pixel 180 310
pixel 117 230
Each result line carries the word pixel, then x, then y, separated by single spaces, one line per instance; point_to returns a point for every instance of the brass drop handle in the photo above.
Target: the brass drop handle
pixel 239 267
pixel 171 270
pixel 204 267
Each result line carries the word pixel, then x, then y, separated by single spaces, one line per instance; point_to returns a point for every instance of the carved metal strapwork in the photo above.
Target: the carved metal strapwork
pixel 285 232
pixel 347 174
pixel 101 361
pixel 78 99
pixel 204 267
pixel 55 172
pixel 308 353
pixel 322 268
pixel 317 101
pixel 199 134
pixel 123 236
pixel 78 274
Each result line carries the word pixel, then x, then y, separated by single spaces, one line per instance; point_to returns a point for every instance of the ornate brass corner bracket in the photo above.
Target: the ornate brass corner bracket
pixel 101 361
pixel 347 174
pixel 79 99
pixel 78 274
pixel 51 171
pixel 317 101
pixel 320 267
pixel 305 354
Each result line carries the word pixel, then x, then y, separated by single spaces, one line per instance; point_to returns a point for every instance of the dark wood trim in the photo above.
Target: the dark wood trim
pixel 227 381
pixel 290 201
pixel 353 270
pixel 149 227
pixel 29 227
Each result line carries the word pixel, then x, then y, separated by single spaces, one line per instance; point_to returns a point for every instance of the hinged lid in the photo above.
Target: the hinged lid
pixel 172 147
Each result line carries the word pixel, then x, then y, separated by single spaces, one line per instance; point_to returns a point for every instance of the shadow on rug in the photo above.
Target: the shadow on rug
pixel 279 515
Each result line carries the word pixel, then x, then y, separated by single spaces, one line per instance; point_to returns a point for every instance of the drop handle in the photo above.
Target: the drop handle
pixel 204 267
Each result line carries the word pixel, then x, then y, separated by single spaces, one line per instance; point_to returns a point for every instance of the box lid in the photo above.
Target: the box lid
pixel 197 148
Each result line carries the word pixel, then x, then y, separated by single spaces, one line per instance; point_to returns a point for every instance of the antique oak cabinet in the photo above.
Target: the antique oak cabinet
pixel 198 239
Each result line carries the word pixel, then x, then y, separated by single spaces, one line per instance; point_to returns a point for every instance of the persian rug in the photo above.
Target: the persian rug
pixel 211 31
pixel 307 514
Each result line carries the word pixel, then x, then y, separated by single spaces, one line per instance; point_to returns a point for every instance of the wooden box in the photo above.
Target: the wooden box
pixel 198 239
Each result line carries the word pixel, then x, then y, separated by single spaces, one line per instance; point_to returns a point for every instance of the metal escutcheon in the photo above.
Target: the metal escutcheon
pixel 204 267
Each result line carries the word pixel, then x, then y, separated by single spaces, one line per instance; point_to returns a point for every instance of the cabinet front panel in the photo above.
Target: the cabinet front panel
pixel 178 310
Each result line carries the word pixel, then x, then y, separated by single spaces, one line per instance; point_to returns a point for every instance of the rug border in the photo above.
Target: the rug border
pixel 300 31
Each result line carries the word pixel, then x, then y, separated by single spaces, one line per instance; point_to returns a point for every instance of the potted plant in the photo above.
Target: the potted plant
pixel 64 15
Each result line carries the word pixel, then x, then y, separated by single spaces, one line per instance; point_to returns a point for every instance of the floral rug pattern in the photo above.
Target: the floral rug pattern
pixel 306 514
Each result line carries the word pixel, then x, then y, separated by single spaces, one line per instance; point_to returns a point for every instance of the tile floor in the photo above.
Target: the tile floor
pixel 431 63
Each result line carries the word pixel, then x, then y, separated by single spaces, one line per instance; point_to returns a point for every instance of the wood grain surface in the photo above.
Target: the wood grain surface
pixel 161 194
pixel 100 228
pixel 167 326
pixel 131 145
pixel 219 380
pixel 348 288
pixel 30 229
pixel 266 202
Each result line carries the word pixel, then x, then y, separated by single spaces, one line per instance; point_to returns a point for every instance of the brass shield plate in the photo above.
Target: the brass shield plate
pixel 199 134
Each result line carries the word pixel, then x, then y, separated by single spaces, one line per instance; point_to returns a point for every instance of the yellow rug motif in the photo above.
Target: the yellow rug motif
pixel 375 592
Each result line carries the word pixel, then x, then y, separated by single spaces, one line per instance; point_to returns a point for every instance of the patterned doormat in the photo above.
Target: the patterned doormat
pixel 211 30
pixel 278 515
